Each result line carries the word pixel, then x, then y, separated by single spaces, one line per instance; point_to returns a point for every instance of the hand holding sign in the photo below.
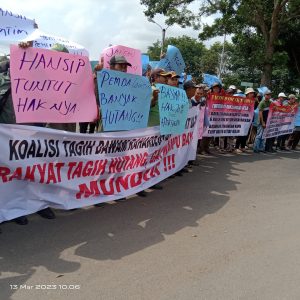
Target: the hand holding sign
pixel 173 109
pixel 49 86
pixel 124 100
pixel 172 61
pixel 132 55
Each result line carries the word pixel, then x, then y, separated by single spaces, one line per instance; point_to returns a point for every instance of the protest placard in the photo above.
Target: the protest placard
pixel 46 41
pixel 173 109
pixel 172 61
pixel 40 167
pixel 281 120
pixel 145 62
pixel 153 64
pixel 211 79
pixel 145 59
pixel 50 86
pixel 229 115
pixel 124 100
pixel 14 27
pixel 201 122
pixel 297 119
pixel 132 55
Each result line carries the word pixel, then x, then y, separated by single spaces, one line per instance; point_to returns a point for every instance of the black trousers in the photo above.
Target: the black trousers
pixel 281 140
pixel 83 127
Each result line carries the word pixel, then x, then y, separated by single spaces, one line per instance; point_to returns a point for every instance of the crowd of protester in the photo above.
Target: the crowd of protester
pixel 197 95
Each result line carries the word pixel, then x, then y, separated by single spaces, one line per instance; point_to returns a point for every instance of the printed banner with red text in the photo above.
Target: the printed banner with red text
pixel 42 167
pixel 281 120
pixel 229 115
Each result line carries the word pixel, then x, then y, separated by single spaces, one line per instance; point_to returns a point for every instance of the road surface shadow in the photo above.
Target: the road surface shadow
pixel 119 229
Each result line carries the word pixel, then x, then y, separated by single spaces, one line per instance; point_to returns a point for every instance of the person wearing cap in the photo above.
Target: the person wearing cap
pixel 242 140
pixel 220 143
pixel 216 88
pixel 190 88
pixel 263 107
pixel 231 90
pixel 173 79
pixel 200 99
pixel 295 136
pixel 157 76
pixel 281 99
pixel 281 139
pixel 119 63
pixel 254 124
pixel 116 63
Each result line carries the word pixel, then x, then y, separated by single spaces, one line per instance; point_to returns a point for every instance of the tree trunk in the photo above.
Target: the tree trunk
pixel 270 38
pixel 268 65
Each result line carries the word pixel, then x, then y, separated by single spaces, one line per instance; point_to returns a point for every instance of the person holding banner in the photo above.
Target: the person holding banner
pixel 7 116
pixel 157 76
pixel 242 140
pixel 71 127
pixel 200 99
pixel 295 136
pixel 263 107
pixel 219 142
pixel 190 88
pixel 254 124
pixel 281 139
pixel 116 63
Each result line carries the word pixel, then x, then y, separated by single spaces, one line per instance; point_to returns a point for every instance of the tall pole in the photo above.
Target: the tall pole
pixel 222 58
pixel 163 33
pixel 163 41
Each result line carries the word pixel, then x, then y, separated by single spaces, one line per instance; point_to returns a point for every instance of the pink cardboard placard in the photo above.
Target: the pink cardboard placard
pixel 132 55
pixel 51 86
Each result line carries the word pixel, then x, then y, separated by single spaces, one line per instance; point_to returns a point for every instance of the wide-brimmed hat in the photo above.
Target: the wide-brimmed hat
pixel 283 95
pixel 159 71
pixel 292 96
pixel 174 75
pixel 249 90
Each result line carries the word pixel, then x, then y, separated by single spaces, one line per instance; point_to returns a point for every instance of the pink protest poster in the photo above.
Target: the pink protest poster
pixel 132 55
pixel 49 86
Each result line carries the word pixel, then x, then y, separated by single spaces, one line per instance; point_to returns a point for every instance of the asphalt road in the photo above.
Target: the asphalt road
pixel 228 230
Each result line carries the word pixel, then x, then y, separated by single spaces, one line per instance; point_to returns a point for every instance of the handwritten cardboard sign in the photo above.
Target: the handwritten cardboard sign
pixel 132 55
pixel 173 61
pixel 46 41
pixel 211 79
pixel 50 86
pixel 14 27
pixel 124 100
pixel 297 120
pixel 173 109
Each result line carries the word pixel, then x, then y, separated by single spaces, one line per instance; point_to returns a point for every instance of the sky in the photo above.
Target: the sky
pixel 96 24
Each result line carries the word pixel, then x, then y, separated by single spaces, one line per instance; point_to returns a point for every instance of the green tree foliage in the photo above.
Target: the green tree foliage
pixel 256 26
